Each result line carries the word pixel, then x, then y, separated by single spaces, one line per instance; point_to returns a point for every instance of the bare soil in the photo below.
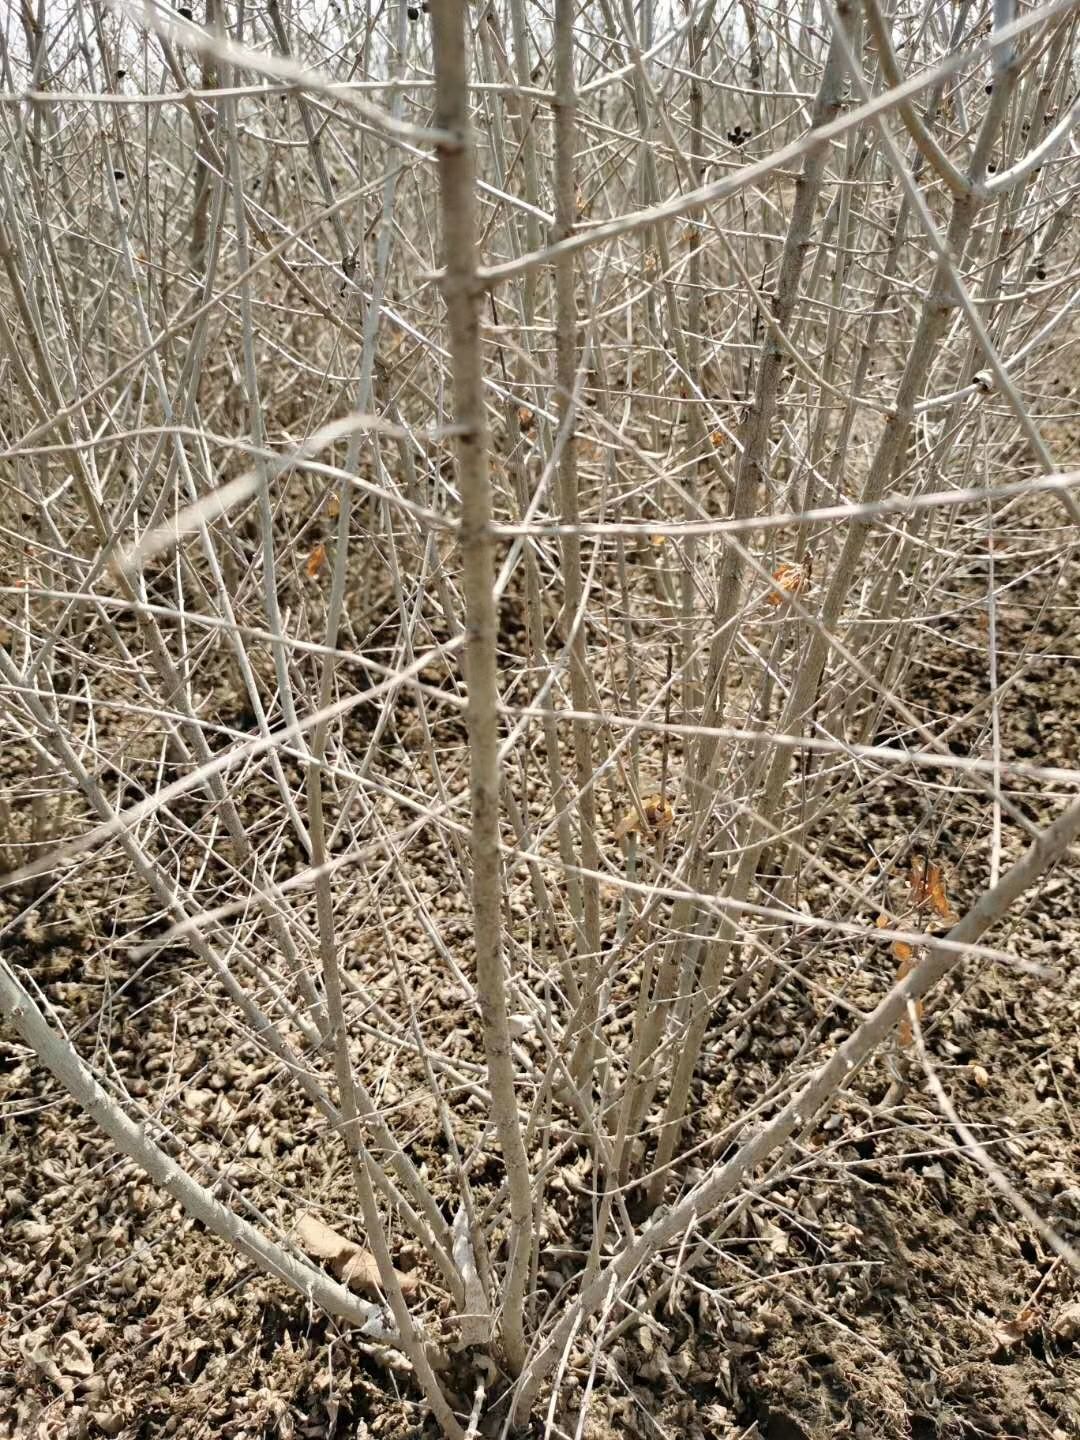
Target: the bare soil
pixel 880 1287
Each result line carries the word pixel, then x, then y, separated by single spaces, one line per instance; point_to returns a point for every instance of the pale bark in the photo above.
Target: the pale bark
pixel 462 294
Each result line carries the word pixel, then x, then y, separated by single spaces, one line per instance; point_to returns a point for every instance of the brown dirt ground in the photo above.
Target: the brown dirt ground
pixel 879 1287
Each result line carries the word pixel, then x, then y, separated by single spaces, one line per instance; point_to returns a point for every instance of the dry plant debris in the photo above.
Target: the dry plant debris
pixel 790 580
pixel 351 1263
pixel 382 978
pixel 655 815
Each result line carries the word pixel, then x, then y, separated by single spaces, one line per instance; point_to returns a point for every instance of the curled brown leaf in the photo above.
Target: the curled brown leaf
pixel 656 812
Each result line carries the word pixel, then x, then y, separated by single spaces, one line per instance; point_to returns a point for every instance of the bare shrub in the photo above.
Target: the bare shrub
pixel 493 501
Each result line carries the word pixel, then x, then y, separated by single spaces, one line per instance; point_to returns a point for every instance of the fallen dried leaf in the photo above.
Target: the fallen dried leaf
pixel 658 815
pixel 35 1347
pixel 351 1263
pixel 73 1356
pixel 927 882
pixel 359 1271
pixel 1010 1332
pixel 901 950
pixel 790 580
pixel 315 561
pixel 1067 1322
pixel 778 1241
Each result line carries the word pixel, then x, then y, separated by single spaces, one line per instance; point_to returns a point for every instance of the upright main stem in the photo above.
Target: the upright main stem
pixel 462 294
pixel 566 360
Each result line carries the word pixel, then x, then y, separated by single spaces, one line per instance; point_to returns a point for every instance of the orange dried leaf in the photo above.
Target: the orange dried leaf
pixel 789 580
pixel 918 881
pixel 786 577
pixel 900 949
pixel 658 815
pixel 658 812
pixel 315 561
pixel 927 882
pixel 718 438
pixel 940 902
pixel 526 418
